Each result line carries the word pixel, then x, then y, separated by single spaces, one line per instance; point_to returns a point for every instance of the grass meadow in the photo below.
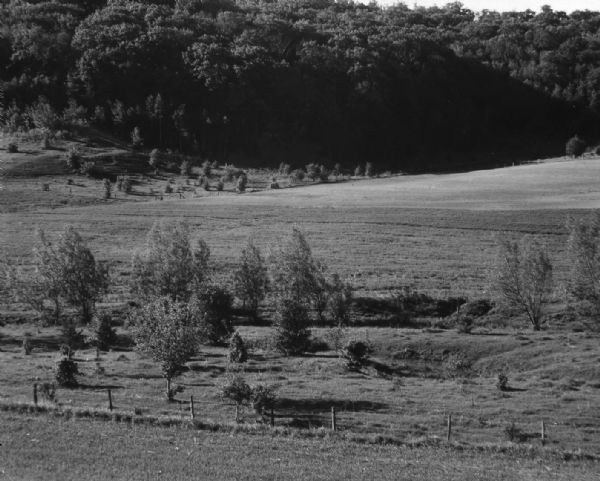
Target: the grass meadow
pixel 435 233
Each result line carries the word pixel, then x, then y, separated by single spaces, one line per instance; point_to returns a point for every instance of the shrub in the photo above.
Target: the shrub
pixel 323 173
pixel 45 142
pixel 72 338
pixel 358 171
pixel 369 169
pixel 502 382
pixel 27 346
pixel 575 147
pixel 73 160
pixel 236 389
pixel 312 171
pixel 47 391
pixel 337 169
pixel 127 185
pixel 220 185
pixel 107 186
pixel 464 324
pixel 168 188
pixel 523 278
pixel 206 168
pixel 105 335
pixel 336 336
pixel 297 175
pixel 284 169
pixel 237 351
pixel 154 159
pixel 137 141
pixel 90 169
pixel 66 370
pixel 250 278
pixel 185 168
pixel 513 433
pixel 215 303
pixel 356 354
pixel 274 185
pixel 262 398
pixel 205 184
pixel 12 148
pixel 242 183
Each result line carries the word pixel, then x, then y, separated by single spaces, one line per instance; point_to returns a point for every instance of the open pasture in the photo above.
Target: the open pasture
pixel 437 233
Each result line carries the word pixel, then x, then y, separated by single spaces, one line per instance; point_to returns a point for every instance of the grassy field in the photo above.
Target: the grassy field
pixel 436 233
pixel 47 448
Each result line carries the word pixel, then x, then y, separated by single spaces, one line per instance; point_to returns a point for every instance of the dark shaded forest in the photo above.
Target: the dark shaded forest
pixel 260 82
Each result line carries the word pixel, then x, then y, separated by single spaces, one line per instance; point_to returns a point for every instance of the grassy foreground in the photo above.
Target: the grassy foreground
pixel 48 448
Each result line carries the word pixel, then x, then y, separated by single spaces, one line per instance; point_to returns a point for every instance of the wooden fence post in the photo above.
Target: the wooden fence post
pixel 192 413
pixel 35 394
pixel 449 433
pixel 333 420
pixel 543 432
pixel 110 404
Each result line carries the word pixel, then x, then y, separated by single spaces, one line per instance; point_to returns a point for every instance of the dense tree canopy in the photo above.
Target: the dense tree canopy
pixel 310 80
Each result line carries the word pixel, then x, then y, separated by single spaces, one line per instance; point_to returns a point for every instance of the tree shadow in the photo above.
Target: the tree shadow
pixel 325 404
pixel 94 387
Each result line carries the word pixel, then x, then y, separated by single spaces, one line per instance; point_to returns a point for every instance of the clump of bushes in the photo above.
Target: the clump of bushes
pixel 502 382
pixel 237 350
pixel 297 175
pixel 66 371
pixel 12 148
pixel 356 354
pixel 575 147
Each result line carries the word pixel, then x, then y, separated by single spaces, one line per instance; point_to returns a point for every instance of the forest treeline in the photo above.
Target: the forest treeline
pixel 305 80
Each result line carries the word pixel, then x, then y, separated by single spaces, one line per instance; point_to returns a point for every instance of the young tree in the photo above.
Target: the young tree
pixel 236 389
pixel 84 280
pixel 575 147
pixel 523 278
pixel 214 305
pixel 169 265
pixel 584 258
pixel 165 329
pixel 295 280
pixel 251 280
pixel 339 301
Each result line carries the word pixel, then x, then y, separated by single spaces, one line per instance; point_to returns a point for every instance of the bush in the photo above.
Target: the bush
pixel 90 169
pixel 274 185
pixel 220 185
pixel 242 183
pixel 323 173
pixel 137 141
pixel 297 175
pixel 237 351
pixel 47 391
pixel 502 382
pixel 236 389
pixel 575 147
pixel 284 169
pixel 356 354
pixel 358 171
pixel 73 160
pixel 27 346
pixel 168 188
pixel 513 433
pixel 71 336
pixel 66 370
pixel 105 335
pixel 185 168
pixel 262 398
pixel 154 159
pixel 216 304
pixel 205 184
pixel 369 169
pixel 107 186
pixel 291 337
pixel 12 148
pixel 127 185
pixel 312 171
pixel 206 168
pixel 464 324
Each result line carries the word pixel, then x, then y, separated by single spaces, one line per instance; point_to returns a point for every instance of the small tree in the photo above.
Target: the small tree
pixel 165 330
pixel 66 371
pixel 136 138
pixel 575 147
pixel 369 169
pixel 84 280
pixel 154 159
pixel 104 334
pixel 523 278
pixel 292 336
pixel 237 350
pixel 185 168
pixel 356 354
pixel 312 171
pixel 339 302
pixel 250 279
pixel 358 172
pixel 169 264
pixel 242 183
pixel 206 168
pixel 583 249
pixel 236 389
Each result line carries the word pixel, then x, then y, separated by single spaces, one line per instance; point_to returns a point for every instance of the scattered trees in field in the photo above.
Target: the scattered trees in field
pixel 251 281
pixel 523 278
pixel 583 247
pixel 170 263
pixel 166 330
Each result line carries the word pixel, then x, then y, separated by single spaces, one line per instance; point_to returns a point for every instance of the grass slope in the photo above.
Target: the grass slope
pixel 45 448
